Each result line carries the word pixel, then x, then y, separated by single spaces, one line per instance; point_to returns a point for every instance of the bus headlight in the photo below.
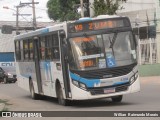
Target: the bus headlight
pixel 83 86
pixel 79 84
pixel 76 83
pixel 134 77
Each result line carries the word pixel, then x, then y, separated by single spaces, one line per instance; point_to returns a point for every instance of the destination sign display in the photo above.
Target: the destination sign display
pixel 98 25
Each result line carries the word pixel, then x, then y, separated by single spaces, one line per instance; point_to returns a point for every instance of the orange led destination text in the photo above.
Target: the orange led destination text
pixel 86 39
pixel 100 25
pixel 87 63
pixel 79 27
pixel 95 25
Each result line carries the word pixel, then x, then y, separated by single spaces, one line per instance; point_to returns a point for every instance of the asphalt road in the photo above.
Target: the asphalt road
pixel 146 100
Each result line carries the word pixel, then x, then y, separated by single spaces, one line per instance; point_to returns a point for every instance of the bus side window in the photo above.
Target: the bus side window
pixel 21 50
pixel 48 46
pixel 17 50
pixel 55 49
pixel 26 50
pixel 42 48
pixel 31 56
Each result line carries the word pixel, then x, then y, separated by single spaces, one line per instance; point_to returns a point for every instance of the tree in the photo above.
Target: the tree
pixel 62 10
pixel 103 7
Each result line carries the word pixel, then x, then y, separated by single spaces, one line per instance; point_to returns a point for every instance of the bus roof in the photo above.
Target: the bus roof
pixel 61 26
pixel 58 26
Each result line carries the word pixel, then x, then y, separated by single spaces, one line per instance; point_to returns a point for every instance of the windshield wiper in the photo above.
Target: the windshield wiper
pixel 113 40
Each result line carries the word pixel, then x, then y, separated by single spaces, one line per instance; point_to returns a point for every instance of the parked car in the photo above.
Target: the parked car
pixel 7 77
pixel 2 74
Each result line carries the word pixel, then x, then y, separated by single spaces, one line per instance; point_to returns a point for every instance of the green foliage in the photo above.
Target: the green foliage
pixel 103 7
pixel 4 101
pixel 62 10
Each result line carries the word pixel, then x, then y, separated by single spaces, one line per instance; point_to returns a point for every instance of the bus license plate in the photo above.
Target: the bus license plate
pixel 109 90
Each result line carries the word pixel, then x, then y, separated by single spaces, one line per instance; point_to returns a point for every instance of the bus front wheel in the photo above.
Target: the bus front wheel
pixel 117 98
pixel 60 96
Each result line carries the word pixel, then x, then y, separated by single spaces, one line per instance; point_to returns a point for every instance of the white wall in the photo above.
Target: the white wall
pixel 134 5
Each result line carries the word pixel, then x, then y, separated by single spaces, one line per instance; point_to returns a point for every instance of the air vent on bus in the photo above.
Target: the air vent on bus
pixel 105 73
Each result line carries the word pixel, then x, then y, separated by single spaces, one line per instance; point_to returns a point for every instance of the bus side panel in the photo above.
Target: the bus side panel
pixel 22 81
pixel 49 75
pixel 56 75
pixel 25 71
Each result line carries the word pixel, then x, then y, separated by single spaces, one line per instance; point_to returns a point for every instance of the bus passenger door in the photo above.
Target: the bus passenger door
pixel 64 63
pixel 37 65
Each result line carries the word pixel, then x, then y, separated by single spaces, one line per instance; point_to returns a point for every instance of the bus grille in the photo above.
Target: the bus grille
pixel 101 90
pixel 105 73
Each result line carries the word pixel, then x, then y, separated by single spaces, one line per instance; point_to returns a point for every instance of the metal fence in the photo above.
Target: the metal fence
pixel 147 49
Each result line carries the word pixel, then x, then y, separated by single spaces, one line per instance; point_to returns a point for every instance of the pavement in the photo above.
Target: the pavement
pixel 146 80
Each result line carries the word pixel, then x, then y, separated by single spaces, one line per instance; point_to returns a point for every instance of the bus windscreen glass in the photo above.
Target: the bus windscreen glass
pixel 102 51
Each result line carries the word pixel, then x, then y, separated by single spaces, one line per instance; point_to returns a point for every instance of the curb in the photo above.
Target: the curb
pixel 2 106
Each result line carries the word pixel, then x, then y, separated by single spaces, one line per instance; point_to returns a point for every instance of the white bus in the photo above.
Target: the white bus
pixel 88 58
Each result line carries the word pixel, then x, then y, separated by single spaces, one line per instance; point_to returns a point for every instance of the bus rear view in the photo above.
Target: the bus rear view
pixel 103 58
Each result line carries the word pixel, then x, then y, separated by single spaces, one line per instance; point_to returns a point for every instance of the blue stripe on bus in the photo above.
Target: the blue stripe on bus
pixel 87 82
pixel 45 30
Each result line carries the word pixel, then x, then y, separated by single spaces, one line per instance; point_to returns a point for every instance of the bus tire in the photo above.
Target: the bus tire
pixel 33 94
pixel 117 98
pixel 60 95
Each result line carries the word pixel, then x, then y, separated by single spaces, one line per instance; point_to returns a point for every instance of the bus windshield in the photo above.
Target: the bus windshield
pixel 102 51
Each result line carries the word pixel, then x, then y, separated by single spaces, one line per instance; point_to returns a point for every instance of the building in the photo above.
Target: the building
pixel 7 41
pixel 145 19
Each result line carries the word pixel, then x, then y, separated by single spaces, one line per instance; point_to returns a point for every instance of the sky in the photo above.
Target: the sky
pixel 9 14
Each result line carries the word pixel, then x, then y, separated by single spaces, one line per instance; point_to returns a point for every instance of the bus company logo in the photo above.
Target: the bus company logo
pixel 107 76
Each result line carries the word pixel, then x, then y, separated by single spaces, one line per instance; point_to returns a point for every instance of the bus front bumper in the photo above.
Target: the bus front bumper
pixel 79 94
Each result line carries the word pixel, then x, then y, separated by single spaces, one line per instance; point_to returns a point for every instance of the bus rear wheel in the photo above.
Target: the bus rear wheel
pixel 60 96
pixel 33 94
pixel 117 98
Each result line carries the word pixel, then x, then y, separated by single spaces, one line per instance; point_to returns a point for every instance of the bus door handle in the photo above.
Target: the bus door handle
pixel 58 66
